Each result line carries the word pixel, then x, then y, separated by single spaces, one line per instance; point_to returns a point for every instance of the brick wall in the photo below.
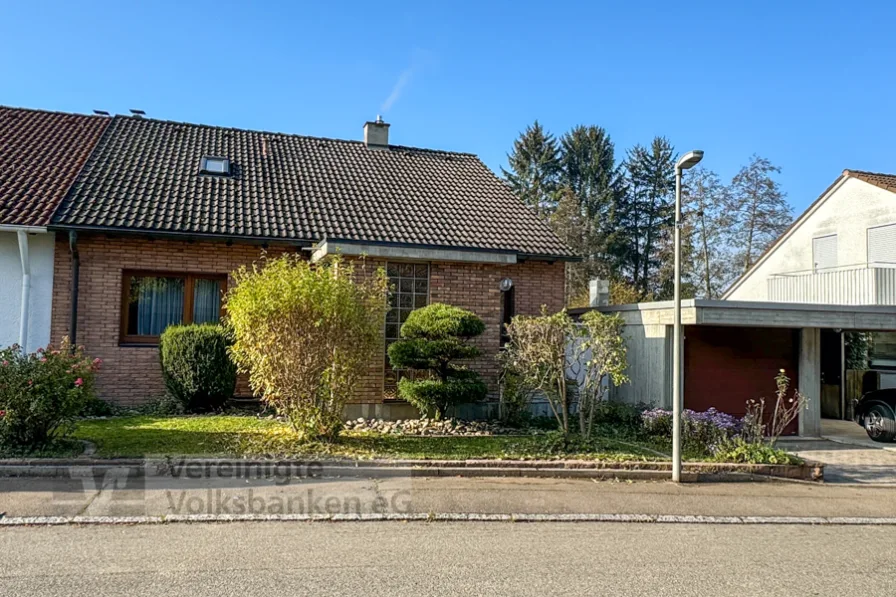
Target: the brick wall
pixel 475 287
pixel 131 375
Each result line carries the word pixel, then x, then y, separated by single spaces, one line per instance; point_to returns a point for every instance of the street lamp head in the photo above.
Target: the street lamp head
pixel 689 160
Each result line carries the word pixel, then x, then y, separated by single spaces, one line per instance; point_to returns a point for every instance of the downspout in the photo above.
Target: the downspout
pixel 76 270
pixel 25 313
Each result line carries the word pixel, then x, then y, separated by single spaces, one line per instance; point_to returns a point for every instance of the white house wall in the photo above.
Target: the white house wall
pixel 848 212
pixel 41 250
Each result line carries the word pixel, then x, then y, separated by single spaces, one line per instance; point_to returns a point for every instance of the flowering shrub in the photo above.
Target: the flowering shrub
pixel 42 393
pixel 702 433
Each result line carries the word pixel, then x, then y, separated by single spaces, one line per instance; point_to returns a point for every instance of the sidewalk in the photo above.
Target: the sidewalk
pixel 111 496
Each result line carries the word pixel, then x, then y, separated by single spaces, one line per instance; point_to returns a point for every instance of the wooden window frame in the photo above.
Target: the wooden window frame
pixel 189 279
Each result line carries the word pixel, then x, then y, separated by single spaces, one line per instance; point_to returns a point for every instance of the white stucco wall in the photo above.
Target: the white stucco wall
pixel 848 211
pixel 41 249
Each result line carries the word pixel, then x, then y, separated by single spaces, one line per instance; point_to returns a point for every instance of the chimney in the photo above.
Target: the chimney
pixel 598 293
pixel 376 134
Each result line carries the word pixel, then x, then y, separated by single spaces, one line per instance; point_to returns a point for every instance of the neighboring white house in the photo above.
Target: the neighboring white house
pixel 841 251
pixel 26 274
pixel 41 154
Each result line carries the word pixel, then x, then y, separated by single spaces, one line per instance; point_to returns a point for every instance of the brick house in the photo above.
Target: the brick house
pixel 163 211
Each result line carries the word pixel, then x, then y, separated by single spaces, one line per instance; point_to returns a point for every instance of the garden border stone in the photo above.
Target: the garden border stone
pixel 634 470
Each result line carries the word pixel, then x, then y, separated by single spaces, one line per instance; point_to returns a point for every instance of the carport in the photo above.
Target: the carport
pixel 733 350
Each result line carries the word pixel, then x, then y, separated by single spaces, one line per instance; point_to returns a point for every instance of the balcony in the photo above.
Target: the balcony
pixel 867 284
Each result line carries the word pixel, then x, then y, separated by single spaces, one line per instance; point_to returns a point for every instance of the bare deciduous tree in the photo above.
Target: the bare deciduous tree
pixel 759 210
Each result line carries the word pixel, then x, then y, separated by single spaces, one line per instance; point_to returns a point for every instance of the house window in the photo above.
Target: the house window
pixel 408 290
pixel 824 252
pixel 151 302
pixel 214 165
pixel 882 245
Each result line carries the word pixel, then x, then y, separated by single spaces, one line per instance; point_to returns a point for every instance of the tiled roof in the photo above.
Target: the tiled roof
pixel 144 176
pixel 884 181
pixel 41 153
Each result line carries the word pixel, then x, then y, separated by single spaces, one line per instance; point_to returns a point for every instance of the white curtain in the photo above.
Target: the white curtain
pixel 160 304
pixel 206 301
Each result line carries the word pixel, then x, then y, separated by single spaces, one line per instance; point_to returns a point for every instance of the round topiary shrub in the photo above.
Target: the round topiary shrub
pixel 196 366
pixel 432 339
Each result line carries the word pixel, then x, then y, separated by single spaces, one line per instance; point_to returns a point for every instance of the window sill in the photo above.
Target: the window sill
pixel 138 345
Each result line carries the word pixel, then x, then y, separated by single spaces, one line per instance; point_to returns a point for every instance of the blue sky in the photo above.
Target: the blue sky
pixel 810 85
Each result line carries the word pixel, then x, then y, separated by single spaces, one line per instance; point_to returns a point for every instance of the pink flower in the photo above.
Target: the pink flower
pixel 2 413
pixel 40 350
pixel 79 382
pixel 30 382
pixel 43 359
pixel 5 363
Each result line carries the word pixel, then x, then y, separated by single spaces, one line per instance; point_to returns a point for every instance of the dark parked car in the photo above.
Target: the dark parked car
pixel 876 412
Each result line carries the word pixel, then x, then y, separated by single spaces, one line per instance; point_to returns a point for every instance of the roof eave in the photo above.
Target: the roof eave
pixel 182 236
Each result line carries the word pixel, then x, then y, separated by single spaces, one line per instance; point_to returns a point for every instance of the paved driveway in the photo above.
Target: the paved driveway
pixel 848 454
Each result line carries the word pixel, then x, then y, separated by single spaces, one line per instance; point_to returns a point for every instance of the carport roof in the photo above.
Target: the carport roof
pixel 758 314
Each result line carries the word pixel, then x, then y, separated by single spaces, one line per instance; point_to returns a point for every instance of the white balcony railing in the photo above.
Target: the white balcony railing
pixel 869 284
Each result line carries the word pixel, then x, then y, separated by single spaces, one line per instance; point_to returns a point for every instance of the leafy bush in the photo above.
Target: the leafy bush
pixel 537 351
pixel 739 450
pixel 600 359
pixel 197 368
pixel 516 394
pixel 305 335
pixel 42 393
pixel 567 362
pixel 622 417
pixel 97 407
pixel 432 339
pixel 702 433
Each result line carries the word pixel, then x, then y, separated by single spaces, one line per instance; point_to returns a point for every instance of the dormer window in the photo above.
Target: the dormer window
pixel 215 165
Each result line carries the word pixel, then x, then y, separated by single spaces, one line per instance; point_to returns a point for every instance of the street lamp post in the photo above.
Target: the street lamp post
pixel 688 160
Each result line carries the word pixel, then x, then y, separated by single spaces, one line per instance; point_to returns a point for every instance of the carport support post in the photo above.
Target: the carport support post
pixel 809 381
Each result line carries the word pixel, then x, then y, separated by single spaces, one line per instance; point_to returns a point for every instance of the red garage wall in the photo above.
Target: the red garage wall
pixel 726 366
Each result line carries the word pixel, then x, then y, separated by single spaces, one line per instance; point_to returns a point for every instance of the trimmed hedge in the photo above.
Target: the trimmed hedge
pixel 197 367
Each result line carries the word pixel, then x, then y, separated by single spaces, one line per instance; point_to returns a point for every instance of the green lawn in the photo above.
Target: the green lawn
pixel 246 436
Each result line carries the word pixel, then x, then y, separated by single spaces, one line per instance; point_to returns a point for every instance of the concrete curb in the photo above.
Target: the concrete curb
pixel 645 471
pixel 868 446
pixel 19 521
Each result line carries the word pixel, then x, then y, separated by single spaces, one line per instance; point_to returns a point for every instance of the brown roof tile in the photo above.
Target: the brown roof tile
pixel 884 181
pixel 41 153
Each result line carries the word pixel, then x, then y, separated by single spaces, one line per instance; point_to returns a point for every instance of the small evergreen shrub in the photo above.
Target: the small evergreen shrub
pixel 433 339
pixel 42 393
pixel 196 366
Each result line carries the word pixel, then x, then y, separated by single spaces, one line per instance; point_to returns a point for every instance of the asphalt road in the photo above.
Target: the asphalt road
pixel 249 559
